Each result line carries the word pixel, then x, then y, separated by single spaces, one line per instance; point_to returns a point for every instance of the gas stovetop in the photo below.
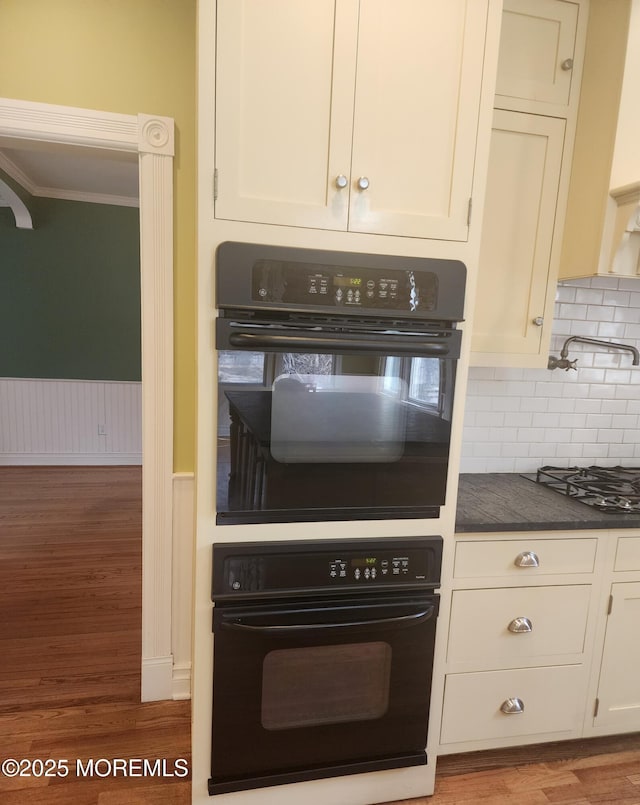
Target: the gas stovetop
pixel 609 489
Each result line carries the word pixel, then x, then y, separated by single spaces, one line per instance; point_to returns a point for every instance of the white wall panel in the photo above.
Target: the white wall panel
pixel 70 422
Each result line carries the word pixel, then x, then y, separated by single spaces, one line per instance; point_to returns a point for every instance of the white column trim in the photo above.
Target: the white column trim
pixel 182 586
pixel 151 137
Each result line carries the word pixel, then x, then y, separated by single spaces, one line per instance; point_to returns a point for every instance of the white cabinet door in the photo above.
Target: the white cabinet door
pixel 519 626
pixel 419 73
pixel 515 275
pixel 619 687
pixel 537 46
pixel 516 704
pixel 285 75
pixel 313 96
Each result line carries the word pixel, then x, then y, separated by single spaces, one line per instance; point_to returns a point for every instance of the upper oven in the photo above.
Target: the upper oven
pixel 336 378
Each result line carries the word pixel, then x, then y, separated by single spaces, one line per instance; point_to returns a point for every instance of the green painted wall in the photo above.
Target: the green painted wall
pixel 70 292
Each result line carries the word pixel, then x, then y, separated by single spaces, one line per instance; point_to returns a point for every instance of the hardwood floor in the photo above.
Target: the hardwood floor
pixel 70 598
pixel 591 779
pixel 70 640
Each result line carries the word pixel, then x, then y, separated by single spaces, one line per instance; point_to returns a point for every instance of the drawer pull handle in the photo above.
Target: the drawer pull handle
pixel 512 707
pixel 520 625
pixel 527 559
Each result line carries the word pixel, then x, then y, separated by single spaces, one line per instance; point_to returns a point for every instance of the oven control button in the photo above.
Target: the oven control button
pixel 373 573
pixel 367 573
pixel 356 573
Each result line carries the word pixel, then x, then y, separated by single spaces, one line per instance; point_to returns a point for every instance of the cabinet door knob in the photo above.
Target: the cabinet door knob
pixel 567 64
pixel 539 321
pixel 341 181
pixel 527 559
pixel 513 706
pixel 363 183
pixel 520 625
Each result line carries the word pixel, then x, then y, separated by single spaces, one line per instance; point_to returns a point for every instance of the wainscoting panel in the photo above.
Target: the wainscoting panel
pixel 70 422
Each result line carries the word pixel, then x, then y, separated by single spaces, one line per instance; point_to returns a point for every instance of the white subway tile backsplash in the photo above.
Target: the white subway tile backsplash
pixel 588 328
pixel 610 329
pixel 623 451
pixel 569 450
pixel 604 282
pixel 572 311
pixel 489 418
pixel 624 420
pixel 615 407
pixel 617 376
pixel 546 420
pixel 631 284
pixel 519 419
pixel 590 296
pixel 530 434
pixel 616 298
pixel 610 435
pixel 603 391
pixel 595 451
pixel 562 405
pixel 566 293
pixel 591 375
pixel 599 420
pixel 532 404
pixel 572 421
pixel 548 389
pixel 629 314
pixel 588 406
pixel 601 313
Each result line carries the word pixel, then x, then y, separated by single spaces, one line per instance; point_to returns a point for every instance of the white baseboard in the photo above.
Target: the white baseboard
pixel 157 679
pixel 69 459
pixel 182 681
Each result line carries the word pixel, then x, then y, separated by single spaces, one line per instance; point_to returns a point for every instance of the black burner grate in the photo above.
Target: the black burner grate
pixel 610 489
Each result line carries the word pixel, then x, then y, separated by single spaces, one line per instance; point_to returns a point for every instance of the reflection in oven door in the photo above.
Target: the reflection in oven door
pixel 336 378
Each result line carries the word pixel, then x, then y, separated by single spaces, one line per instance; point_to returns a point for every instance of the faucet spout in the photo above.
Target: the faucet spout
pixel 608 344
pixel 563 361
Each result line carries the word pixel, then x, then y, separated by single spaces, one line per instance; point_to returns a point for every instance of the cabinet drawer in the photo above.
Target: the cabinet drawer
pixel 628 554
pixel 524 558
pixel 552 699
pixel 518 625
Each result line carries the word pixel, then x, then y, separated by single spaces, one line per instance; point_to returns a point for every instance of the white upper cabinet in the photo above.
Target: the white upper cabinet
pixel 536 53
pixel 515 280
pixel 349 115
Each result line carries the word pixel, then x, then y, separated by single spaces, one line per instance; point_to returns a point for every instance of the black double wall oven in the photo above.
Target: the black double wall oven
pixel 336 377
pixel 323 655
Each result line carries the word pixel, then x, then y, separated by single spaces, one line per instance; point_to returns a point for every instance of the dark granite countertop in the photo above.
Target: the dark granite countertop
pixel 509 502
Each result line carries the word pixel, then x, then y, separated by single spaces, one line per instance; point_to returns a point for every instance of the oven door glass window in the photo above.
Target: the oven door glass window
pixel 315 435
pixel 305 687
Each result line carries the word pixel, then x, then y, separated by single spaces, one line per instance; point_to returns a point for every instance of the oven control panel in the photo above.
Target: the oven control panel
pixel 277 281
pixel 371 568
pixel 243 571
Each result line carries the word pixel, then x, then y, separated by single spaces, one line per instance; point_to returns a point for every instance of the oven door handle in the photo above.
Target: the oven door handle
pixel 399 620
pixel 410 346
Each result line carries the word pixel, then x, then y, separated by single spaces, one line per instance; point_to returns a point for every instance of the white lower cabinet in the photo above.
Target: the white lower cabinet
pixel 520 638
pixel 529 625
pixel 524 703
pixel 618 691
pixel 619 683
pixel 543 638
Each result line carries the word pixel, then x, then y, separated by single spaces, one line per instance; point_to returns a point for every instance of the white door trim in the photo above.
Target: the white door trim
pixel 152 138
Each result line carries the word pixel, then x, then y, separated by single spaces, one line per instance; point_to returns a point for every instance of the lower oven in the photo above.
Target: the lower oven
pixel 336 379
pixel 323 655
